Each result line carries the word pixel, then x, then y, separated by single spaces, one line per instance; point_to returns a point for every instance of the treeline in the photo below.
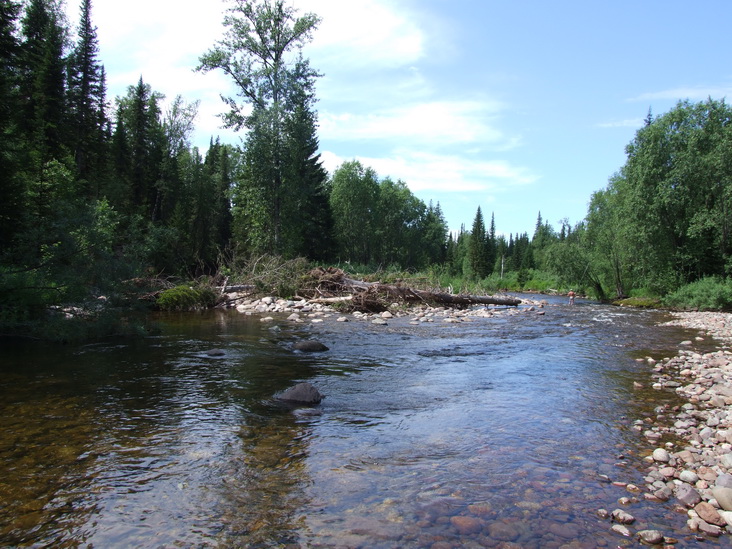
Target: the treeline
pixel 661 228
pixel 663 221
pixel 97 191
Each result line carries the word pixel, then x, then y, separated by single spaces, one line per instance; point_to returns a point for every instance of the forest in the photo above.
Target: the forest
pixel 102 197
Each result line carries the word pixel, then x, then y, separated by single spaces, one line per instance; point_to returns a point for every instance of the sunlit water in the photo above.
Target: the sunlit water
pixel 503 423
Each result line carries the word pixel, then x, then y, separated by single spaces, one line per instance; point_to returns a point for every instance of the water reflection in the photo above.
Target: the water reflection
pixel 484 433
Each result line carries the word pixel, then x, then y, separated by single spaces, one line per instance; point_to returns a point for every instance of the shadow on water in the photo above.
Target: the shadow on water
pixel 487 432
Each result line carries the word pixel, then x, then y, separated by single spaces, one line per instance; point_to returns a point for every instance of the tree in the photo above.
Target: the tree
pixel 43 82
pixel 12 188
pixel 353 198
pixel 139 147
pixel 87 104
pixel 677 183
pixel 256 54
pixel 491 250
pixel 309 228
pixel 477 256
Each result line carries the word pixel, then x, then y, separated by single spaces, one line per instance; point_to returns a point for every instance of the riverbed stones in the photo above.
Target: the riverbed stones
pixel 302 393
pixel 662 455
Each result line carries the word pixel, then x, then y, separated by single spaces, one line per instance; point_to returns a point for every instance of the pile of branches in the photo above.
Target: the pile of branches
pixel 331 285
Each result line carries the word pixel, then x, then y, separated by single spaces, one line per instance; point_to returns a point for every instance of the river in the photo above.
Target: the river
pixel 489 433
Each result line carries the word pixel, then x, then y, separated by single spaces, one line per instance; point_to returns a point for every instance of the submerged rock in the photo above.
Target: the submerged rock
pixel 215 352
pixel 302 393
pixel 310 346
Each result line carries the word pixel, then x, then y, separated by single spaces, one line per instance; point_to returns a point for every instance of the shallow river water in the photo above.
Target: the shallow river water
pixel 490 433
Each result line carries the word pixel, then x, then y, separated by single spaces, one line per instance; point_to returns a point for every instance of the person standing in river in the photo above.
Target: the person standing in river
pixel 571 296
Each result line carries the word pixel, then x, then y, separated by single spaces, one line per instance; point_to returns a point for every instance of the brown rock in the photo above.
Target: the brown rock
pixel 503 531
pixel 467 525
pixel 709 514
pixel 565 530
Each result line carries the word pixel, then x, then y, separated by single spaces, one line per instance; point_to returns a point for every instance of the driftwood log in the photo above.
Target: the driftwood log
pixel 333 286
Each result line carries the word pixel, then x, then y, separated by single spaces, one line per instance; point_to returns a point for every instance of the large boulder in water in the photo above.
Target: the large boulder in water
pixel 309 346
pixel 302 393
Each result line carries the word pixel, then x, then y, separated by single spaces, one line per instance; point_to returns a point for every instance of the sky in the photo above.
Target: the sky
pixel 522 108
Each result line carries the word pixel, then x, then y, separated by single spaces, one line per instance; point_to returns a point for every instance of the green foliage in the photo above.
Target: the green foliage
pixel 706 294
pixel 186 298
pixel 381 222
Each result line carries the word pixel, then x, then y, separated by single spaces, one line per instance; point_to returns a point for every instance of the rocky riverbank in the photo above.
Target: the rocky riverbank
pixel 302 310
pixel 691 461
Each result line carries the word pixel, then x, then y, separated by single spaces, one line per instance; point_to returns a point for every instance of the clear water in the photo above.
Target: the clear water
pixel 491 433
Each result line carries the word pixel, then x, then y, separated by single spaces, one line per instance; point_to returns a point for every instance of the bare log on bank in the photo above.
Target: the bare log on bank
pixel 333 286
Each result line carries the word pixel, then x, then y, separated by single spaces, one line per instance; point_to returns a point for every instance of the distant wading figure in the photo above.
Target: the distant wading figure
pixel 571 295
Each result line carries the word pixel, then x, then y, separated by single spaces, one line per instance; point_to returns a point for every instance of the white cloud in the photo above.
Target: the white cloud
pixel 437 122
pixel 363 34
pixel 442 173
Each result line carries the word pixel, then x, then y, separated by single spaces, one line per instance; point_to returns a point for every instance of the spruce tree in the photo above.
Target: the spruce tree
pixel 11 182
pixel 43 82
pixel 477 248
pixel 87 108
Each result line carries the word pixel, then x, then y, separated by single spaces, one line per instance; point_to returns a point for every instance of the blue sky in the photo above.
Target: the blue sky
pixel 517 107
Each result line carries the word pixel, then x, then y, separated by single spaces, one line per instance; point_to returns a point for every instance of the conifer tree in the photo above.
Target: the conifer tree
pixel 43 82
pixel 477 249
pixel 87 103
pixel 11 183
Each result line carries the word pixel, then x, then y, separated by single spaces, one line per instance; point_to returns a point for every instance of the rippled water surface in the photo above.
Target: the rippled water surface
pixel 491 433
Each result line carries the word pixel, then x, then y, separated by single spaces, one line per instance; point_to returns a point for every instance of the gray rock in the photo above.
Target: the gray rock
pixel 622 517
pixel 309 346
pixel 688 476
pixel 709 529
pixel 620 529
pixel 723 495
pixel 215 352
pixel 726 461
pixel 724 480
pixel 687 495
pixel 660 454
pixel 652 537
pixel 302 393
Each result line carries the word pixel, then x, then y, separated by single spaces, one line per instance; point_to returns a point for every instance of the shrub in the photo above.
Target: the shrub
pixel 186 298
pixel 707 294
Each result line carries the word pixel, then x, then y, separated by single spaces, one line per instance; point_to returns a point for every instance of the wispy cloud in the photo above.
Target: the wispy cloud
pixel 627 123
pixel 695 93
pixel 443 173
